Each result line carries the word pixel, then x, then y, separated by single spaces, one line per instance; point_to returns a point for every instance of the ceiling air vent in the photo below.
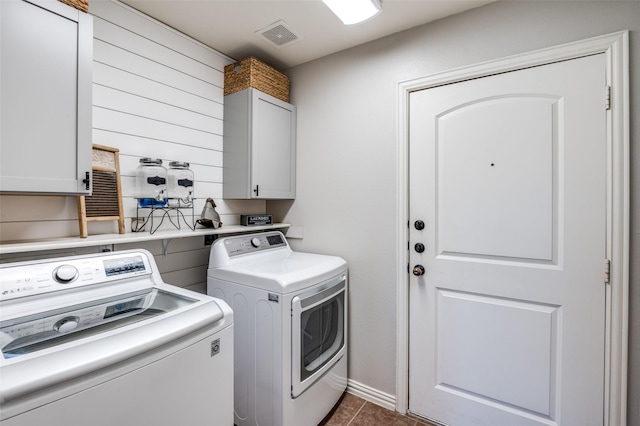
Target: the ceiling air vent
pixel 279 34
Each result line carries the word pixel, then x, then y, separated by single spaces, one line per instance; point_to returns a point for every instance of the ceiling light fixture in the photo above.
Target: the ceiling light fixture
pixel 354 11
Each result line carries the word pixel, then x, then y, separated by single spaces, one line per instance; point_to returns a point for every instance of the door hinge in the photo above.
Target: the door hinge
pixel 607 97
pixel 607 271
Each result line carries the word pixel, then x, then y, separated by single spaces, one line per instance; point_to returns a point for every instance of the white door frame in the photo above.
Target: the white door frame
pixel 616 48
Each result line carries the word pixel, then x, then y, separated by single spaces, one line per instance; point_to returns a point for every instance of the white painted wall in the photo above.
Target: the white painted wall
pixel 346 203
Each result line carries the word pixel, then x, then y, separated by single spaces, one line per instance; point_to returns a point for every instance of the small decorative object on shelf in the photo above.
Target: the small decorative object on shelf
pixel 151 183
pixel 256 219
pixel 210 217
pixel 105 203
pixel 179 183
pixel 165 192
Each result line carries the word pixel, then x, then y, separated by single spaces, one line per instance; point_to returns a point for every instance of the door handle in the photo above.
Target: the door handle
pixel 418 270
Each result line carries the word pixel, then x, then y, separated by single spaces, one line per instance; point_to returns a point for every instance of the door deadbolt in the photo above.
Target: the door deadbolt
pixel 418 270
pixel 419 225
pixel 419 247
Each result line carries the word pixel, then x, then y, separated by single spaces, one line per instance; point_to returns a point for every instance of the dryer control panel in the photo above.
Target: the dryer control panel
pixel 246 244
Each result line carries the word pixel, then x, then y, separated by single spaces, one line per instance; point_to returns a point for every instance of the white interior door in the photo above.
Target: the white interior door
pixel 508 173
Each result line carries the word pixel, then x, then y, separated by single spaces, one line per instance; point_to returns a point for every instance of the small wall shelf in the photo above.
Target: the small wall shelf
pixel 130 237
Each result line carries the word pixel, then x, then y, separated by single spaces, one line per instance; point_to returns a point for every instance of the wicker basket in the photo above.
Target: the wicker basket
pixel 251 72
pixel 82 5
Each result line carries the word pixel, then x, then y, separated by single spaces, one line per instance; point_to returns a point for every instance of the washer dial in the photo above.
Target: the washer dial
pixel 65 274
pixel 66 324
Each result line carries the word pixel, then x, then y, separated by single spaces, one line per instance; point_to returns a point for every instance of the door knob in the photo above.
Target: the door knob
pixel 418 270
pixel 419 247
pixel 419 225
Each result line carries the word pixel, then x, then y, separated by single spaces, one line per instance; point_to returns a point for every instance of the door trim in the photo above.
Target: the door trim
pixel 616 48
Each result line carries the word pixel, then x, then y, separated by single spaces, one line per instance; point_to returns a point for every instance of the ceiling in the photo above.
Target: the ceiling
pixel 230 26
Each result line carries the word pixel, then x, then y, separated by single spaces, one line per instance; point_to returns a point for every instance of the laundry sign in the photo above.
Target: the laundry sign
pixel 256 219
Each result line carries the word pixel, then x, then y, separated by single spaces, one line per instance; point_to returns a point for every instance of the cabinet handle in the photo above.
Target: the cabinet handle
pixel 86 180
pixel 256 190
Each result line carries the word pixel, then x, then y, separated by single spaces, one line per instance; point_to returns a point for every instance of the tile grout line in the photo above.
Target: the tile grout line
pixel 357 412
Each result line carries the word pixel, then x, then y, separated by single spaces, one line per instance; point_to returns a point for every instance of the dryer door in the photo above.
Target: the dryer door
pixel 319 332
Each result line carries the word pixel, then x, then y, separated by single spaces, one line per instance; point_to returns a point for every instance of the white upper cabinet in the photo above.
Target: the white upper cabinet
pixel 46 51
pixel 259 147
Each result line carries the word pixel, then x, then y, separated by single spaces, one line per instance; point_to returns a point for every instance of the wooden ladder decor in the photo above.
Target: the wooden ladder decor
pixel 105 203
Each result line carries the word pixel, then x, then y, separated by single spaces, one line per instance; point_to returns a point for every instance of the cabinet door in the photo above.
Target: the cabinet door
pixel 45 111
pixel 273 148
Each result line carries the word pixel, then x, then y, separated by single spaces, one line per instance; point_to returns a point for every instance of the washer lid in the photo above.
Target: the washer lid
pixel 50 348
pixel 282 271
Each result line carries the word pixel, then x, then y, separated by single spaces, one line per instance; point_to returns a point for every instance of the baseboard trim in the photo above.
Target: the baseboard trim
pixel 372 395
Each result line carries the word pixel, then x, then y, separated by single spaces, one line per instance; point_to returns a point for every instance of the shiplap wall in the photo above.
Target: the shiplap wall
pixel 159 94
pixel 156 93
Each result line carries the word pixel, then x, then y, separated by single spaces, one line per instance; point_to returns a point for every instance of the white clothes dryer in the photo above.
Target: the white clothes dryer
pixel 290 328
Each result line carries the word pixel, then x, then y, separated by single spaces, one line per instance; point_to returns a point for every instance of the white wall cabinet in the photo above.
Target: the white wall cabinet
pixel 259 147
pixel 46 52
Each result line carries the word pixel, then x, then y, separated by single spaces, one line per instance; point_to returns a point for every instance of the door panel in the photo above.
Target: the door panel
pixel 506 145
pixel 478 345
pixel 509 174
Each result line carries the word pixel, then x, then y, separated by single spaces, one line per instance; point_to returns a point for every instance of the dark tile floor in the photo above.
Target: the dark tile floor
pixel 355 411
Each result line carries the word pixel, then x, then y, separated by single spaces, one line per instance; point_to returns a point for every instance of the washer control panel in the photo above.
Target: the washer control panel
pixel 246 244
pixel 32 278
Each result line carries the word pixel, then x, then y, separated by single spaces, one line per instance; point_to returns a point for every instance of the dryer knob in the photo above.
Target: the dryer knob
pixel 255 242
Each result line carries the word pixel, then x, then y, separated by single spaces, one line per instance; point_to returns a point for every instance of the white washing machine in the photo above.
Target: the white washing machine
pixel 290 327
pixel 101 340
